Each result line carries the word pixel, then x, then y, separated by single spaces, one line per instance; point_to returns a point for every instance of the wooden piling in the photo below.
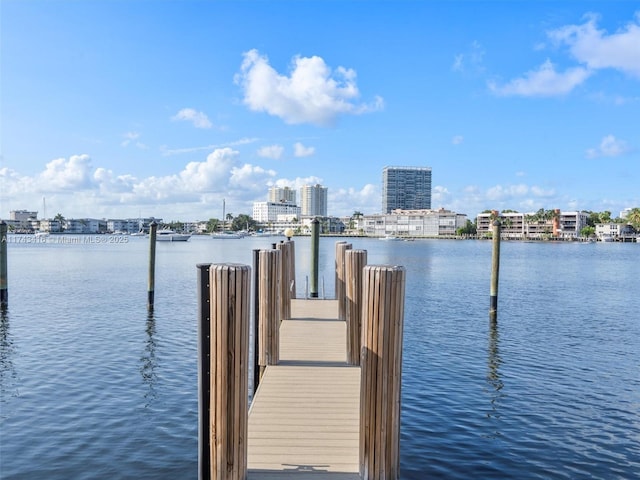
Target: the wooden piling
pixel 315 247
pixel 269 290
pixel 285 272
pixel 340 285
pixel 152 265
pixel 4 281
pixel 381 368
pixel 495 271
pixel 355 261
pixel 204 370
pixel 229 294
pixel 256 319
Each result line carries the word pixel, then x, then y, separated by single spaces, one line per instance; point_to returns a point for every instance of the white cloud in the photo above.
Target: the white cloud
pixel 543 82
pixel 250 177
pixel 301 151
pixel 610 146
pixel 166 151
pixel 471 60
pixel 271 151
pixel 345 201
pixel 596 49
pixel 312 93
pixel 198 119
pixel 62 174
pixel 131 137
pixel 457 140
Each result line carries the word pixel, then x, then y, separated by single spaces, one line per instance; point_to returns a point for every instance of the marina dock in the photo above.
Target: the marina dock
pixel 304 420
pixel 319 410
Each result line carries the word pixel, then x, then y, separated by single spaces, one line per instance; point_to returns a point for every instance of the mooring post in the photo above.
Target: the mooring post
pixel 355 261
pixel 4 281
pixel 292 263
pixel 256 319
pixel 381 372
pixel 495 271
pixel 285 272
pixel 315 240
pixel 340 279
pixel 269 291
pixel 204 373
pixel 152 265
pixel 229 373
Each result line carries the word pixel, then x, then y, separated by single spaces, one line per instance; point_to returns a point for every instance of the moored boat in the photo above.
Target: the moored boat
pixel 166 235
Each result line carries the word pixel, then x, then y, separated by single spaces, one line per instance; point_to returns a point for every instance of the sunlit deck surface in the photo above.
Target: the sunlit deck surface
pixel 304 420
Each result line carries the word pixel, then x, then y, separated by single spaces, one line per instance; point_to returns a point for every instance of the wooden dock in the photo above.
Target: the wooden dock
pixel 304 420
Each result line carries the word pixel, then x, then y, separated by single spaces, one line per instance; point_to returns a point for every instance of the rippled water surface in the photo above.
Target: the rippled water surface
pixel 93 387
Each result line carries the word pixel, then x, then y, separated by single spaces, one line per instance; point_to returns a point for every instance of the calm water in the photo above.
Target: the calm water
pixel 93 387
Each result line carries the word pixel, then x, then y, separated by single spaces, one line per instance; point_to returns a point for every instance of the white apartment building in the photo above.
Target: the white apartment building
pixel 609 232
pixel 313 201
pixel 515 225
pixel 85 225
pixel 264 212
pixel 282 195
pixel 414 223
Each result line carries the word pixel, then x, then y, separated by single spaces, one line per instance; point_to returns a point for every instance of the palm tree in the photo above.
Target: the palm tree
pixel 633 218
pixel 60 219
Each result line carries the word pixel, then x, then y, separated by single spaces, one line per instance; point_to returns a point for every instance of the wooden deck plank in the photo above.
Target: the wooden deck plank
pixel 304 420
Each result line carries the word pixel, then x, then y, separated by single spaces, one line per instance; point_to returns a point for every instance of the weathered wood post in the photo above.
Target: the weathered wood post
pixel 355 261
pixel 315 240
pixel 256 319
pixel 269 308
pixel 285 272
pixel 495 271
pixel 381 369
pixel 204 370
pixel 152 265
pixel 4 281
pixel 229 287
pixel 292 262
pixel 340 285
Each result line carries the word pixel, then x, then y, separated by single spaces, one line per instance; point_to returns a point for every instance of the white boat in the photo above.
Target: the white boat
pixel 391 238
pixel 166 235
pixel 227 235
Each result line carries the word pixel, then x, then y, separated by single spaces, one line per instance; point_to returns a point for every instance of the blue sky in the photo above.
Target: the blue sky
pixel 165 108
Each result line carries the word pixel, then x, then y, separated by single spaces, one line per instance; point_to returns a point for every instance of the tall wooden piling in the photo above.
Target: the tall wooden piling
pixel 355 261
pixel 229 375
pixel 4 281
pixel 315 248
pixel 495 271
pixel 340 285
pixel 152 265
pixel 381 367
pixel 256 319
pixel 286 277
pixel 204 370
pixel 269 290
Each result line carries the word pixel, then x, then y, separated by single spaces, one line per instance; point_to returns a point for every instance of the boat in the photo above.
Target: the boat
pixel 227 235
pixel 166 235
pixel 391 238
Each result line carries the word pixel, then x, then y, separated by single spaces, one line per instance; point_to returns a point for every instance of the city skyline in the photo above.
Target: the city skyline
pixel 124 110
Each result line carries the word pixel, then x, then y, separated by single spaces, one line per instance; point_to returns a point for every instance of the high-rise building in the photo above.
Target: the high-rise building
pixel 282 195
pixel 406 188
pixel 313 200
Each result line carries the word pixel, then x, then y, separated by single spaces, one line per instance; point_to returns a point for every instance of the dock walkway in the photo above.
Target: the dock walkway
pixel 304 420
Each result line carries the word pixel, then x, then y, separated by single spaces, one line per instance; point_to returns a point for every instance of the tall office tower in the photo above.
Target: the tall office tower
pixel 407 188
pixel 282 195
pixel 313 200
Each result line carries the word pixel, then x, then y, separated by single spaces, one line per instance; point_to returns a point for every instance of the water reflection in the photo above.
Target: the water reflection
pixel 149 361
pixel 7 369
pixel 493 373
